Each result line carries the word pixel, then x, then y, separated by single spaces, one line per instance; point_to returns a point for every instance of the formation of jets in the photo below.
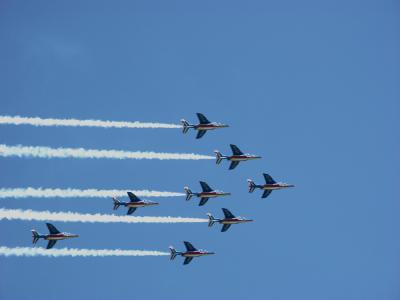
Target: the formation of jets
pixel 206 193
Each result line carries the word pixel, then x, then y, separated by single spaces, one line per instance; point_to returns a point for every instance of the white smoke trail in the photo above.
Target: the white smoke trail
pixel 27 251
pixel 31 215
pixel 47 152
pixel 76 193
pixel 36 121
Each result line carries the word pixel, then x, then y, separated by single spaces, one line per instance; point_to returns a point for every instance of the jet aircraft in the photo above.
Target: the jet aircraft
pixel 203 126
pixel 189 254
pixel 53 236
pixel 206 194
pixel 227 221
pixel 133 204
pixel 269 186
pixel 237 157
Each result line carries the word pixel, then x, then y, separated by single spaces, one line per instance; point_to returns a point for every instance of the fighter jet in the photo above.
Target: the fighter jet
pixel 203 126
pixel 227 221
pixel 133 204
pixel 190 253
pixel 53 236
pixel 237 157
pixel 206 194
pixel 269 185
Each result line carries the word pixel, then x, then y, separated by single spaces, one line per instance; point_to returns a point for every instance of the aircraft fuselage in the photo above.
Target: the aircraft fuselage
pixel 242 157
pixel 212 194
pixel 195 253
pixel 275 186
pixel 233 221
pixel 140 204
pixel 210 126
pixel 59 236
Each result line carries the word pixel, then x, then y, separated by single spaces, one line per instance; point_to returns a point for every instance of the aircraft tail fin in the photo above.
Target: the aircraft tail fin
pixel 218 156
pixel 189 193
pixel 173 253
pixel 211 220
pixel 117 203
pixel 186 125
pixel 35 236
pixel 252 185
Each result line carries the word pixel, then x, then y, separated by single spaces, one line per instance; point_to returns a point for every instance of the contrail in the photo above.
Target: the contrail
pixel 76 193
pixel 31 215
pixel 47 152
pixel 27 251
pixel 36 121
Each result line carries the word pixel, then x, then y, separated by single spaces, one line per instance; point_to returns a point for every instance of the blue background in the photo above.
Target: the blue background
pixel 312 86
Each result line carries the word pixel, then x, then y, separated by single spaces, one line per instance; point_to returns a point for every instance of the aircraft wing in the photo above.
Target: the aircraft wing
pixel 133 197
pixel 266 193
pixel 236 150
pixel 189 246
pixel 203 201
pixel 200 133
pixel 202 119
pixel 187 260
pixel 233 165
pixel 131 210
pixel 227 213
pixel 52 228
pixel 268 179
pixel 51 244
pixel 205 187
pixel 225 227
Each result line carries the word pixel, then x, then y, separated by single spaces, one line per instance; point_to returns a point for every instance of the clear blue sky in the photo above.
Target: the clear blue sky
pixel 312 86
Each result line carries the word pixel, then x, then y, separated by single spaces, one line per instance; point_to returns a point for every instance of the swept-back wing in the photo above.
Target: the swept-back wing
pixel 131 210
pixel 227 214
pixel 203 201
pixel 51 243
pixel 52 228
pixel 200 133
pixel 268 179
pixel 206 188
pixel 225 227
pixel 236 150
pixel 233 165
pixel 266 193
pixel 189 246
pixel 133 197
pixel 202 119
pixel 187 260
